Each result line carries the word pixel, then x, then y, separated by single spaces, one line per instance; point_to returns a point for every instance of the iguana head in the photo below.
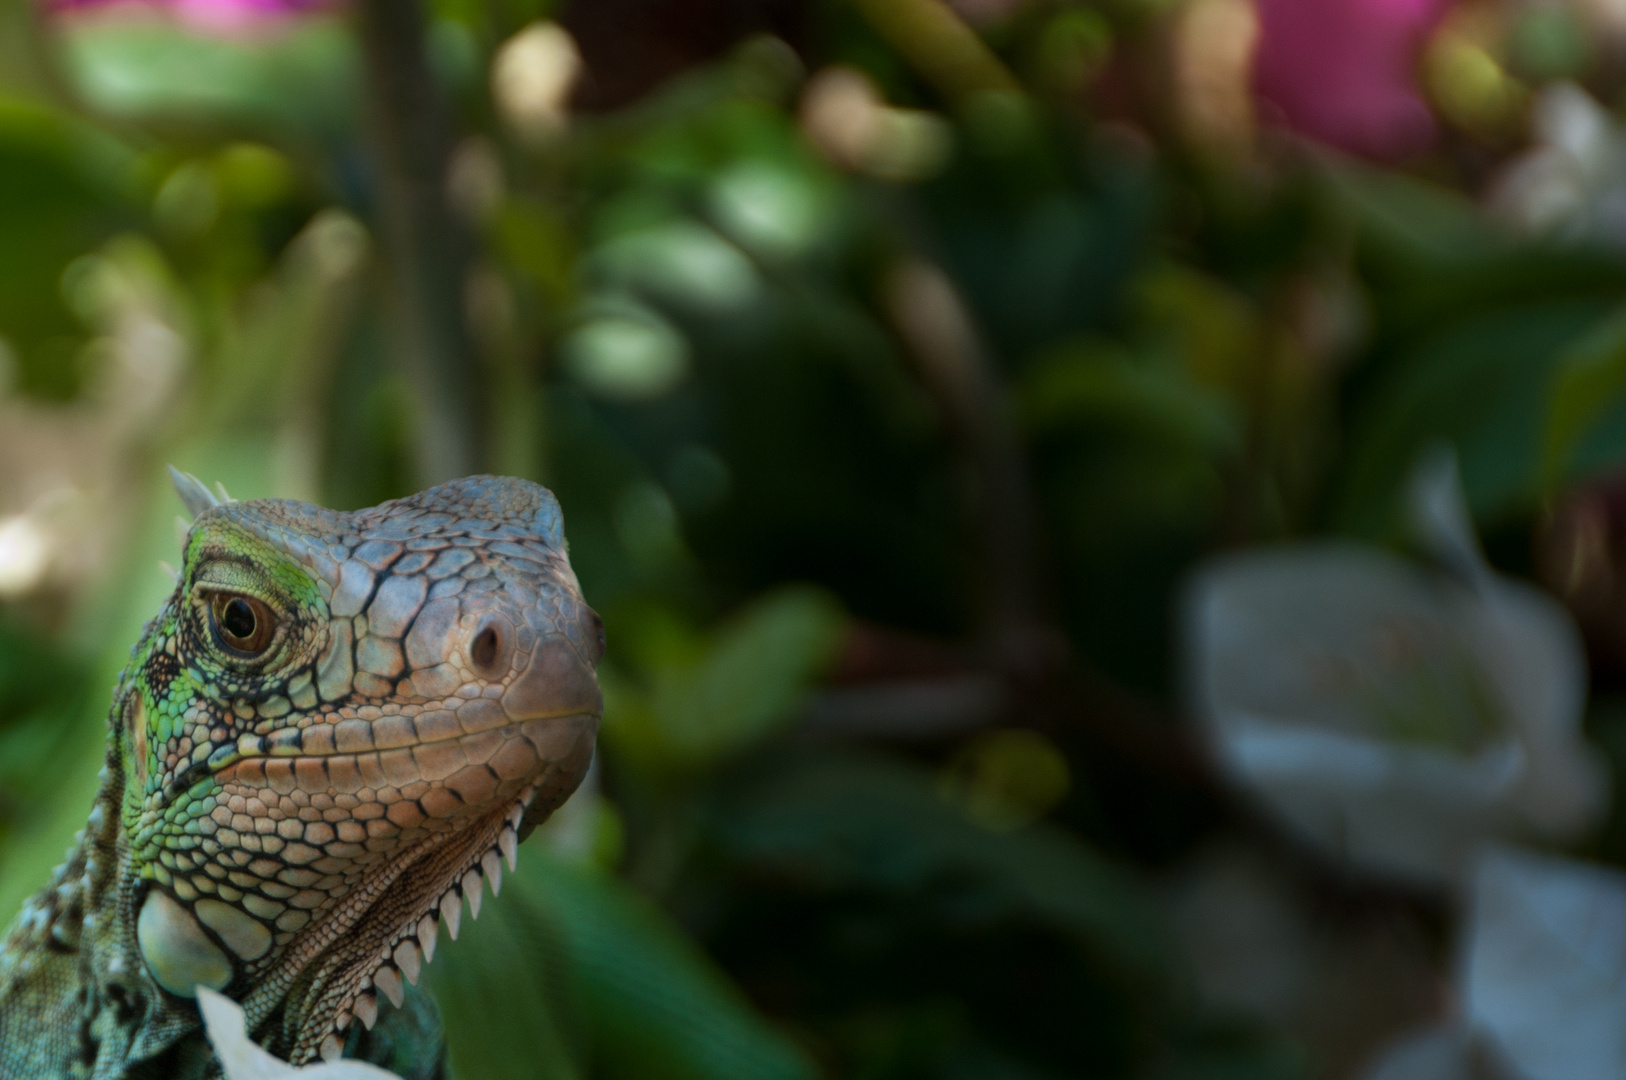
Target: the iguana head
pixel 335 732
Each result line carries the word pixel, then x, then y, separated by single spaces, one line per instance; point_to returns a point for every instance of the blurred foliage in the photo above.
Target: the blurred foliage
pixel 573 975
pixel 890 785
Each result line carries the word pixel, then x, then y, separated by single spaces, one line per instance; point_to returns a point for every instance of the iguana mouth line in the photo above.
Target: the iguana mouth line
pixel 430 783
pixel 222 762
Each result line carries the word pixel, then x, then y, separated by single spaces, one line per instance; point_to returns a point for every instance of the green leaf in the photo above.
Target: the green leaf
pixel 503 989
pixel 538 245
pixel 752 677
pixel 1482 385
pixel 1410 220
pixel 1432 257
pixel 713 697
pixel 1590 378
pixel 572 972
pixel 1102 385
pixel 1208 332
pixel 65 186
pixel 410 1041
pixel 304 80
pixel 655 1005
pixel 867 823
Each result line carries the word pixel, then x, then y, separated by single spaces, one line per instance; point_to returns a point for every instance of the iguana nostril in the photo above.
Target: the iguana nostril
pixel 491 648
pixel 484 651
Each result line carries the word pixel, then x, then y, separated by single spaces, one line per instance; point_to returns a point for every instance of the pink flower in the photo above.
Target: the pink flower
pixel 1344 71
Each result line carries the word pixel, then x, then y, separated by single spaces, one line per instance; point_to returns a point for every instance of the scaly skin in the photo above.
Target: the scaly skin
pixel 289 816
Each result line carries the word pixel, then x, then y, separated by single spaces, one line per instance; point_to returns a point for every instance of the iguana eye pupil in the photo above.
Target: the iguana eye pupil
pixel 238 620
pixel 245 624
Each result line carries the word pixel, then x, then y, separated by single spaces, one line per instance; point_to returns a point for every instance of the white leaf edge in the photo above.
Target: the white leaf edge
pixel 1544 967
pixel 1407 811
pixel 243 1059
pixel 1437 1053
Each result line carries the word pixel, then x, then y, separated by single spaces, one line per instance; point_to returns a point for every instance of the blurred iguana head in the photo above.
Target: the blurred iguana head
pixel 337 728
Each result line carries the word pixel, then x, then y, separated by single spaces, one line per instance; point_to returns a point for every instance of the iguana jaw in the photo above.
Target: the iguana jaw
pixel 391 929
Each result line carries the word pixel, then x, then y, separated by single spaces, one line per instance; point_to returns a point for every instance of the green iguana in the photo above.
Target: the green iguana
pixel 331 737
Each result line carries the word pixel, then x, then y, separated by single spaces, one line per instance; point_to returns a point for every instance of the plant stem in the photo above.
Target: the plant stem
pixel 426 254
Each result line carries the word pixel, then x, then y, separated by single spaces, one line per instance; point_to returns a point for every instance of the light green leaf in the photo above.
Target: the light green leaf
pixel 714 696
pixel 756 670
pixel 65 186
pixel 305 80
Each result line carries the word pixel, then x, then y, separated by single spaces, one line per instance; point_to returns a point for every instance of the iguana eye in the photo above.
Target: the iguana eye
pixel 245 625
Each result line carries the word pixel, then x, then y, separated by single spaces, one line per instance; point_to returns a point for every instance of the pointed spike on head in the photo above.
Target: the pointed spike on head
pixel 408 960
pixel 344 1020
pixel 169 571
pixel 426 937
pixel 451 910
pixel 388 980
pixel 220 490
pixel 491 866
pixel 332 1048
pixel 193 494
pixel 183 529
pixel 471 892
pixel 509 842
pixel 366 1007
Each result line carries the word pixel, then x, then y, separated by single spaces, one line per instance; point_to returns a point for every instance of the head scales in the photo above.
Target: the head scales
pixel 300 819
